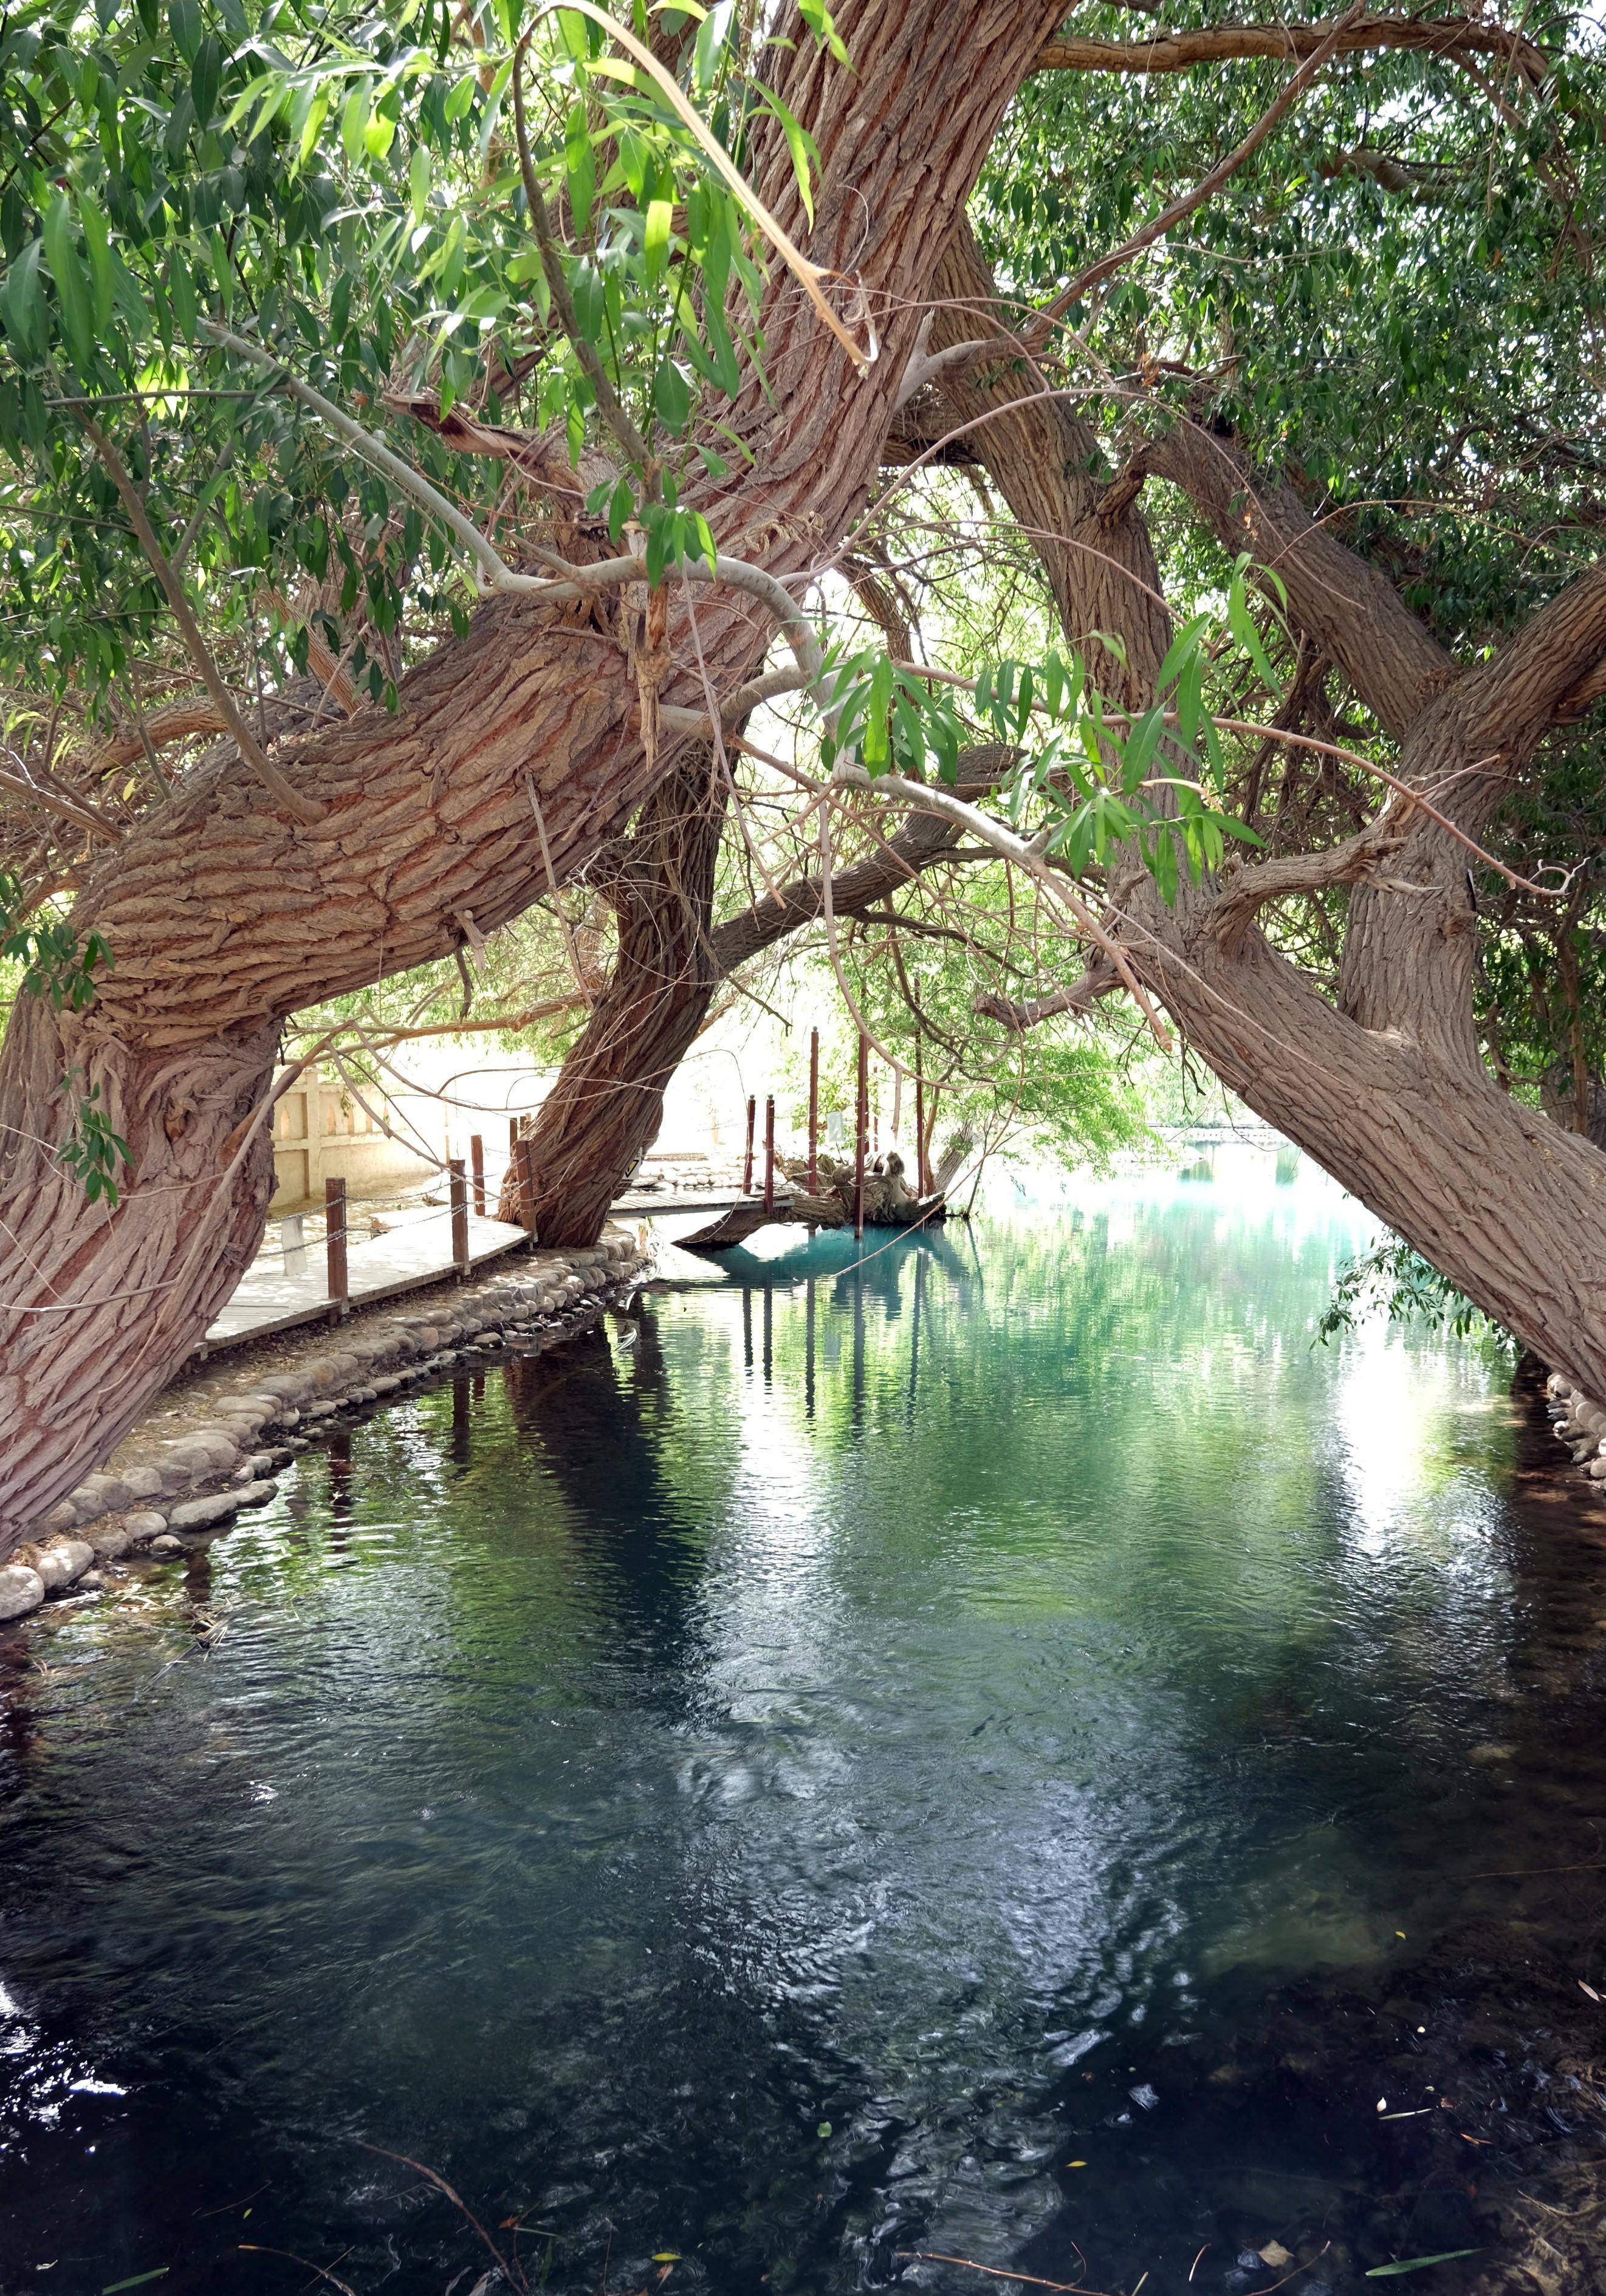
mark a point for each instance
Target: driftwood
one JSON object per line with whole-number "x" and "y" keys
{"x": 888, "y": 1203}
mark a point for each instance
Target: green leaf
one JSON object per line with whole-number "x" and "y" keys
{"x": 800, "y": 143}
{"x": 874, "y": 743}
{"x": 206, "y": 77}
{"x": 72, "y": 286}
{"x": 103, "y": 272}
{"x": 181, "y": 293}
{"x": 421, "y": 170}
{"x": 354, "y": 120}
{"x": 312, "y": 126}
{"x": 816, "y": 15}
{"x": 138, "y": 2280}
{"x": 1241, "y": 623}
{"x": 590, "y": 301}
{"x": 712, "y": 34}
{"x": 655, "y": 243}
{"x": 671, "y": 396}
{"x": 185, "y": 24}
{"x": 1416, "y": 2263}
{"x": 1183, "y": 650}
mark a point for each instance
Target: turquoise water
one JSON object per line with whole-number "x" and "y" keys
{"x": 782, "y": 1779}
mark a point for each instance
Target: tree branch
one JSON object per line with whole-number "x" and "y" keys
{"x": 283, "y": 790}
{"x": 862, "y": 884}
{"x": 1036, "y": 334}
{"x": 609, "y": 406}
{"x": 1352, "y": 862}
{"x": 1357, "y": 614}
{"x": 1229, "y": 43}
{"x": 1100, "y": 979}
{"x": 82, "y": 817}
{"x": 1549, "y": 671}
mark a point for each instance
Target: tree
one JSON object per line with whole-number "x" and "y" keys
{"x": 545, "y": 283}
{"x": 1372, "y": 1063}
{"x": 367, "y": 846}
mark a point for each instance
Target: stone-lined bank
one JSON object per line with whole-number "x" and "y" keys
{"x": 1580, "y": 1423}
{"x": 213, "y": 1446}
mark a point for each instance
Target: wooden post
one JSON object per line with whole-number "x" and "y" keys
{"x": 525, "y": 1160}
{"x": 919, "y": 1120}
{"x": 476, "y": 1167}
{"x": 814, "y": 1112}
{"x": 746, "y": 1166}
{"x": 334, "y": 1228}
{"x": 457, "y": 1188}
{"x": 769, "y": 1154}
{"x": 861, "y": 1131}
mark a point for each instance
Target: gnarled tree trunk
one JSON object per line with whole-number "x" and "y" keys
{"x": 225, "y": 913}
{"x": 605, "y": 1111}
{"x": 1387, "y": 1089}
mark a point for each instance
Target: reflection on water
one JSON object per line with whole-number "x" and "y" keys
{"x": 781, "y": 1780}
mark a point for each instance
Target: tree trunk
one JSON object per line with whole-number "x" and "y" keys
{"x": 1388, "y": 1090}
{"x": 605, "y": 1111}
{"x": 1093, "y": 543}
{"x": 224, "y": 915}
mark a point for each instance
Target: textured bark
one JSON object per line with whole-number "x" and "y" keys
{"x": 604, "y": 1112}
{"x": 1214, "y": 43}
{"x": 1094, "y": 543}
{"x": 225, "y": 915}
{"x": 1387, "y": 1090}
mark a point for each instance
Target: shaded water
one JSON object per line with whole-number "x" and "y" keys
{"x": 784, "y": 1780}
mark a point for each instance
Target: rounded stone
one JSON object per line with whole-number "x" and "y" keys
{"x": 143, "y": 1523}
{"x": 205, "y": 1452}
{"x": 144, "y": 1483}
{"x": 166, "y": 1544}
{"x": 21, "y": 1590}
{"x": 109, "y": 1492}
{"x": 62, "y": 1561}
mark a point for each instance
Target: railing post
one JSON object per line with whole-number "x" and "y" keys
{"x": 862, "y": 1127}
{"x": 814, "y": 1112}
{"x": 476, "y": 1167}
{"x": 746, "y": 1166}
{"x": 920, "y": 1121}
{"x": 334, "y": 1228}
{"x": 769, "y": 1153}
{"x": 525, "y": 1157}
{"x": 458, "y": 1188}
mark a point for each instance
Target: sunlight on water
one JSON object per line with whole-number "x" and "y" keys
{"x": 780, "y": 1780}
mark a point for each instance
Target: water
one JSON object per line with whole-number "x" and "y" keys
{"x": 783, "y": 1781}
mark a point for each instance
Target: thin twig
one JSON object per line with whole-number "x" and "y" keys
{"x": 255, "y": 2248}
{"x": 1027, "y": 2279}
{"x": 456, "y": 2200}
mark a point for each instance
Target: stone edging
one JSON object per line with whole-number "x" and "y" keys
{"x": 1579, "y": 1422}
{"x": 161, "y": 1490}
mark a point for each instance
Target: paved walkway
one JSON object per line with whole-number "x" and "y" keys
{"x": 417, "y": 1250}
{"x": 414, "y": 1251}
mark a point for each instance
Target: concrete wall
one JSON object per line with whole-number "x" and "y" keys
{"x": 321, "y": 1132}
